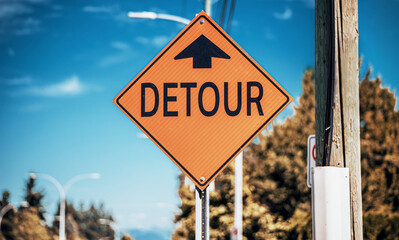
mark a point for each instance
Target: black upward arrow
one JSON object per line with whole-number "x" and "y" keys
{"x": 202, "y": 50}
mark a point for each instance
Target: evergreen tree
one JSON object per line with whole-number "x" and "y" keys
{"x": 187, "y": 215}
{"x": 93, "y": 228}
{"x": 72, "y": 221}
{"x": 4, "y": 201}
{"x": 277, "y": 162}
{"x": 126, "y": 236}
{"x": 379, "y": 147}
{"x": 380, "y": 160}
{"x": 275, "y": 195}
{"x": 91, "y": 224}
{"x": 28, "y": 225}
{"x": 276, "y": 198}
{"x": 276, "y": 170}
{"x": 34, "y": 198}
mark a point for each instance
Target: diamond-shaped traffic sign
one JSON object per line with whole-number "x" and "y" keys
{"x": 202, "y": 100}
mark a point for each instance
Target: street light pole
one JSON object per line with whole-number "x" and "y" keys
{"x": 62, "y": 190}
{"x": 208, "y": 7}
{"x": 62, "y": 200}
{"x": 153, "y": 16}
{"x": 237, "y": 229}
{"x": 4, "y": 210}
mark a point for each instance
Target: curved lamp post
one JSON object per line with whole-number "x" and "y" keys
{"x": 62, "y": 190}
{"x": 3, "y": 212}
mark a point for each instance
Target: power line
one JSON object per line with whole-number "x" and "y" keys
{"x": 232, "y": 7}
{"x": 223, "y": 13}
{"x": 218, "y": 11}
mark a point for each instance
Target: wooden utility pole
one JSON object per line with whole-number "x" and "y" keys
{"x": 337, "y": 96}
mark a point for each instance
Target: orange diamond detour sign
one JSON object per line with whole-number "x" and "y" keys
{"x": 202, "y": 100}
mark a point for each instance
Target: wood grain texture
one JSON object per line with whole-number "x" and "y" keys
{"x": 345, "y": 145}
{"x": 349, "y": 71}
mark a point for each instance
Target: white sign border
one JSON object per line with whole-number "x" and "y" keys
{"x": 309, "y": 160}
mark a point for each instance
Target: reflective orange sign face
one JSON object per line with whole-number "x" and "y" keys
{"x": 202, "y": 100}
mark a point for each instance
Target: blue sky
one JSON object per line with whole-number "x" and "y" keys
{"x": 62, "y": 63}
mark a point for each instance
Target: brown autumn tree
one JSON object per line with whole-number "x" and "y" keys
{"x": 92, "y": 223}
{"x": 28, "y": 225}
{"x": 380, "y": 159}
{"x": 126, "y": 236}
{"x": 34, "y": 197}
{"x": 275, "y": 195}
{"x": 276, "y": 170}
{"x": 276, "y": 198}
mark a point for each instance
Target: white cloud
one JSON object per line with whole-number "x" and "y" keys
{"x": 11, "y": 52}
{"x": 16, "y": 17}
{"x": 28, "y": 26}
{"x": 113, "y": 59}
{"x": 36, "y": 1}
{"x": 57, "y": 7}
{"x": 12, "y": 9}
{"x": 308, "y": 3}
{"x": 268, "y": 33}
{"x": 160, "y": 41}
{"x": 99, "y": 9}
{"x": 166, "y": 205}
{"x": 35, "y": 107}
{"x": 287, "y": 14}
{"x": 120, "y": 45}
{"x": 146, "y": 221}
{"x": 157, "y": 41}
{"x": 142, "y": 40}
{"x": 109, "y": 11}
{"x": 141, "y": 135}
{"x": 54, "y": 15}
{"x": 270, "y": 36}
{"x": 123, "y": 54}
{"x": 136, "y": 220}
{"x": 69, "y": 87}
{"x": 17, "y": 81}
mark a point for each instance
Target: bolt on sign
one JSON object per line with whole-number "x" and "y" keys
{"x": 202, "y": 100}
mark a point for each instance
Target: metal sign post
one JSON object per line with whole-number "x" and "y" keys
{"x": 202, "y": 214}
{"x": 238, "y": 197}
